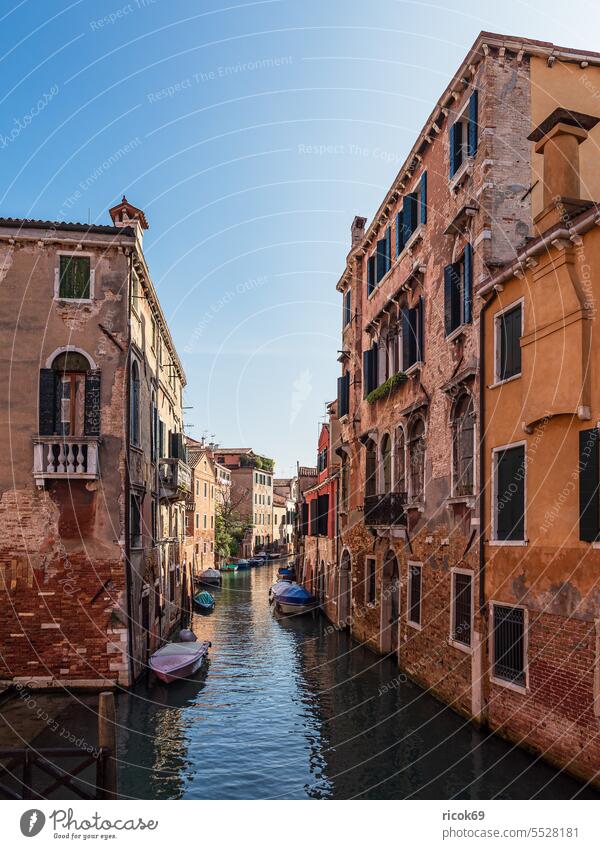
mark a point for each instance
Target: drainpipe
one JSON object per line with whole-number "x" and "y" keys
{"x": 130, "y": 635}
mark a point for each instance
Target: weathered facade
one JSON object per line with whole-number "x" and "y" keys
{"x": 91, "y": 511}
{"x": 408, "y": 395}
{"x": 540, "y": 467}
{"x": 284, "y": 525}
{"x": 251, "y": 494}
{"x": 201, "y": 505}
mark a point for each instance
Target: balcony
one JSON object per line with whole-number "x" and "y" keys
{"x": 175, "y": 479}
{"x": 385, "y": 510}
{"x": 65, "y": 458}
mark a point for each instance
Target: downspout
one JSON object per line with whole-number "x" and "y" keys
{"x": 129, "y": 589}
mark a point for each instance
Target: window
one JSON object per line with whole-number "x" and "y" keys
{"x": 205, "y": 489}
{"x": 370, "y": 274}
{"x": 463, "y": 446}
{"x": 458, "y": 292}
{"x": 370, "y": 372}
{"x": 197, "y": 520}
{"x": 135, "y": 404}
{"x": 370, "y": 469}
{"x": 344, "y": 487}
{"x": 347, "y": 307}
{"x": 589, "y": 485}
{"x": 386, "y": 463}
{"x": 416, "y": 449}
{"x": 197, "y": 487}
{"x": 74, "y": 277}
{"x": 69, "y": 402}
{"x": 344, "y": 395}
{"x": 154, "y": 332}
{"x": 508, "y": 330}
{"x": 413, "y": 213}
{"x": 384, "y": 255}
{"x": 205, "y": 520}
{"x": 370, "y": 580}
{"x": 463, "y": 135}
{"x": 508, "y": 630}
{"x": 414, "y": 593}
{"x": 509, "y": 493}
{"x": 462, "y": 607}
{"x": 135, "y": 521}
{"x": 323, "y": 515}
{"x": 413, "y": 322}
{"x": 400, "y": 464}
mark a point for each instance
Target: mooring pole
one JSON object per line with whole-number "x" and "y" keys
{"x": 107, "y": 738}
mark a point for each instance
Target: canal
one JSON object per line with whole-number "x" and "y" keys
{"x": 292, "y": 709}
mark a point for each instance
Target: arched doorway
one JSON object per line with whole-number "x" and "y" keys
{"x": 390, "y": 604}
{"x": 344, "y": 591}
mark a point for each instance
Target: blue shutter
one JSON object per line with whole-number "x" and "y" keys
{"x": 420, "y": 330}
{"x": 409, "y": 215}
{"x": 448, "y": 299}
{"x": 370, "y": 274}
{"x": 388, "y": 248}
{"x": 473, "y": 120}
{"x": 406, "y": 337}
{"x": 381, "y": 258}
{"x": 399, "y": 232}
{"x": 47, "y": 408}
{"x": 423, "y": 210}
{"x": 374, "y": 366}
{"x": 455, "y": 147}
{"x": 452, "y": 150}
{"x": 467, "y": 284}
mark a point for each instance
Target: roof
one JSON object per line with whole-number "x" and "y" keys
{"x": 278, "y": 500}
{"x": 233, "y": 451}
{"x": 282, "y": 481}
{"x": 38, "y": 224}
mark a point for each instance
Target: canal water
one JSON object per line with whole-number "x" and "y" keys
{"x": 292, "y": 709}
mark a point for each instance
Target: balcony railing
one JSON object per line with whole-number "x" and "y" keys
{"x": 175, "y": 479}
{"x": 385, "y": 510}
{"x": 65, "y": 458}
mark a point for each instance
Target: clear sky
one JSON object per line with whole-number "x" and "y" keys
{"x": 251, "y": 133}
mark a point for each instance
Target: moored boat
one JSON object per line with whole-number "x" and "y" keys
{"x": 204, "y": 601}
{"x": 211, "y": 577}
{"x": 294, "y": 599}
{"x": 243, "y": 564}
{"x": 277, "y": 588}
{"x": 178, "y": 660}
{"x": 229, "y": 567}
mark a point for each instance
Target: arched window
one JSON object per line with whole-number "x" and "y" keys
{"x": 135, "y": 404}
{"x": 386, "y": 463}
{"x": 400, "y": 462}
{"x": 71, "y": 369}
{"x": 416, "y": 448}
{"x": 370, "y": 469}
{"x": 463, "y": 446}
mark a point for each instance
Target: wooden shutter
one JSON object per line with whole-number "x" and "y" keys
{"x": 452, "y": 150}
{"x": 399, "y": 234}
{"x": 510, "y": 343}
{"x": 510, "y": 494}
{"x": 473, "y": 109}
{"x": 381, "y": 258}
{"x": 47, "y": 407}
{"x": 313, "y": 528}
{"x": 388, "y": 249}
{"x": 467, "y": 300}
{"x": 343, "y": 393}
{"x": 370, "y": 274}
{"x": 420, "y": 330}
{"x": 423, "y": 202}
{"x": 366, "y": 369}
{"x": 455, "y": 147}
{"x": 410, "y": 215}
{"x": 323, "y": 514}
{"x": 304, "y": 527}
{"x": 589, "y": 481}
{"x": 92, "y": 403}
{"x": 449, "y": 298}
{"x": 406, "y": 339}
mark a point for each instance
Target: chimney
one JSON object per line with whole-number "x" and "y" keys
{"x": 358, "y": 229}
{"x": 125, "y": 214}
{"x": 558, "y": 138}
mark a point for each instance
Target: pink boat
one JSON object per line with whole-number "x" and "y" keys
{"x": 178, "y": 660}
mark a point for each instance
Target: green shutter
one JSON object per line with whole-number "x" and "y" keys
{"x": 510, "y": 494}
{"x": 589, "y": 480}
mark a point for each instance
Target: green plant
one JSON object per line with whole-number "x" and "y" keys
{"x": 386, "y": 388}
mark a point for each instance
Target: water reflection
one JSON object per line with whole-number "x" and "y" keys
{"x": 290, "y": 708}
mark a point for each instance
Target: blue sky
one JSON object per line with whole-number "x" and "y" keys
{"x": 251, "y": 134}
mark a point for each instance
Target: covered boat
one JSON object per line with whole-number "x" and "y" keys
{"x": 277, "y": 588}
{"x": 210, "y": 576}
{"x": 294, "y": 599}
{"x": 243, "y": 564}
{"x": 204, "y": 601}
{"x": 178, "y": 660}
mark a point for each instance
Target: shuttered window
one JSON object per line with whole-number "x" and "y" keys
{"x": 74, "y": 279}
{"x": 314, "y": 530}
{"x": 412, "y": 335}
{"x": 509, "y": 643}
{"x": 323, "y": 515}
{"x": 464, "y": 134}
{"x": 462, "y": 607}
{"x": 458, "y": 291}
{"x": 347, "y": 307}
{"x": 414, "y": 593}
{"x": 508, "y": 343}
{"x": 344, "y": 394}
{"x": 371, "y": 274}
{"x": 370, "y": 361}
{"x": 589, "y": 485}
{"x": 509, "y": 493}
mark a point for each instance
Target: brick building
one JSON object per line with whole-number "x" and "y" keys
{"x": 287, "y": 489}
{"x": 201, "y": 505}
{"x": 318, "y": 568}
{"x": 408, "y": 394}
{"x": 251, "y": 494}
{"x": 540, "y": 506}
{"x": 91, "y": 502}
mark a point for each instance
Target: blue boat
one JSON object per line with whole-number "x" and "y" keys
{"x": 293, "y": 598}
{"x": 286, "y": 573}
{"x": 204, "y": 601}
{"x": 243, "y": 564}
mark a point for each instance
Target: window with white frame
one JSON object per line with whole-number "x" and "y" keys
{"x": 509, "y": 478}
{"x": 416, "y": 453}
{"x": 74, "y": 277}
{"x": 508, "y": 329}
{"x": 463, "y": 446}
{"x": 509, "y": 644}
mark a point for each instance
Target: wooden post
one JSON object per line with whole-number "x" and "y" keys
{"x": 107, "y": 737}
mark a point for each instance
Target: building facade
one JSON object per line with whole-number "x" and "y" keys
{"x": 251, "y": 494}
{"x": 91, "y": 504}
{"x": 286, "y": 489}
{"x": 408, "y": 394}
{"x": 201, "y": 506}
{"x": 540, "y": 506}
